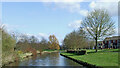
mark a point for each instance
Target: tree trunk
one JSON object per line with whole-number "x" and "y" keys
{"x": 96, "y": 43}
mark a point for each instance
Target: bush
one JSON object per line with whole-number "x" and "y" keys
{"x": 82, "y": 52}
{"x": 8, "y": 43}
{"x": 70, "y": 51}
{"x": 79, "y": 52}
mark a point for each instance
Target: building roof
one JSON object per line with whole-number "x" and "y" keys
{"x": 100, "y": 41}
{"x": 112, "y": 38}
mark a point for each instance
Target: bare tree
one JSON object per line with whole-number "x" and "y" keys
{"x": 97, "y": 24}
{"x": 75, "y": 40}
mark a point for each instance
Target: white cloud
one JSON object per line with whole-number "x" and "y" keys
{"x": 38, "y": 36}
{"x": 92, "y": 4}
{"x": 43, "y": 35}
{"x": 58, "y": 0}
{"x": 76, "y": 24}
{"x": 111, "y": 7}
{"x": 84, "y": 12}
{"x": 46, "y": 36}
{"x": 73, "y": 7}
{"x": 10, "y": 27}
{"x": 29, "y": 34}
{"x": 107, "y": 0}
{"x": 41, "y": 0}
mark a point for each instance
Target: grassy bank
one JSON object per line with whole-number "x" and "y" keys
{"x": 106, "y": 57}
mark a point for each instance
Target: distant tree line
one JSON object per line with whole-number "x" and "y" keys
{"x": 26, "y": 43}
{"x": 14, "y": 42}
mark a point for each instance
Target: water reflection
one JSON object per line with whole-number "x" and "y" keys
{"x": 46, "y": 59}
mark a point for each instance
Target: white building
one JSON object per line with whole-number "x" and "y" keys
{"x": 112, "y": 42}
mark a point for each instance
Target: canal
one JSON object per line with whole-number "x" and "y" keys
{"x": 46, "y": 59}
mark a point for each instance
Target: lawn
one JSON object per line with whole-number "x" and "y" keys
{"x": 106, "y": 57}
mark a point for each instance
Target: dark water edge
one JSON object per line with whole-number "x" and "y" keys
{"x": 43, "y": 67}
{"x": 47, "y": 59}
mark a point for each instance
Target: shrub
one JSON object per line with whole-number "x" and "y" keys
{"x": 8, "y": 43}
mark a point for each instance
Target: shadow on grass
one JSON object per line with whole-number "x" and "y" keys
{"x": 90, "y": 52}
{"x": 73, "y": 54}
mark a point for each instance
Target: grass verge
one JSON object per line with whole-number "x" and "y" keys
{"x": 105, "y": 57}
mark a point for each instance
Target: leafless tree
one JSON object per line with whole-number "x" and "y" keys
{"x": 97, "y": 24}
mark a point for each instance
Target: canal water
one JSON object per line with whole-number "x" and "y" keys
{"x": 46, "y": 59}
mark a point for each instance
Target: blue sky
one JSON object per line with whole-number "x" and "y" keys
{"x": 44, "y": 19}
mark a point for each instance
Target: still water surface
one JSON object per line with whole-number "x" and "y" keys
{"x": 47, "y": 59}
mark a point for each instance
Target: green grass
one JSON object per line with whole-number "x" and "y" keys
{"x": 104, "y": 57}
